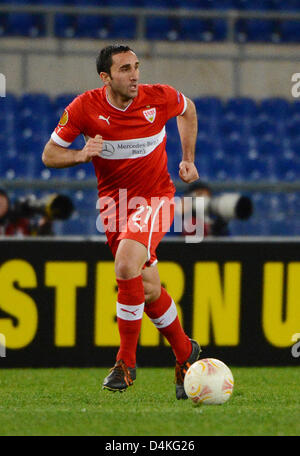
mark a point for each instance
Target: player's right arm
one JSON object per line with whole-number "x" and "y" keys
{"x": 55, "y": 156}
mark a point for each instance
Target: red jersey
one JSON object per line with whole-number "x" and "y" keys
{"x": 134, "y": 139}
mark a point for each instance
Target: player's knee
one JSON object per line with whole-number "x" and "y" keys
{"x": 126, "y": 269}
{"x": 152, "y": 292}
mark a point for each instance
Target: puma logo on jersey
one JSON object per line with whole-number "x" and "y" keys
{"x": 104, "y": 118}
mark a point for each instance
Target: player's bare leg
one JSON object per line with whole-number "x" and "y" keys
{"x": 130, "y": 258}
{"x": 161, "y": 309}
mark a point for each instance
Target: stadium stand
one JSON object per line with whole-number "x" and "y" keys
{"x": 239, "y": 139}
{"x": 157, "y": 28}
{"x": 268, "y": 152}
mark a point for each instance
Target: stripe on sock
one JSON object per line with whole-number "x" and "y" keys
{"x": 167, "y": 318}
{"x": 131, "y": 313}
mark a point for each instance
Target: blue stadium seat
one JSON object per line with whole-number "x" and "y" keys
{"x": 295, "y": 108}
{"x": 19, "y": 2}
{"x": 219, "y": 29}
{"x": 287, "y": 169}
{"x": 223, "y": 4}
{"x": 235, "y": 147}
{"x": 65, "y": 25}
{"x": 196, "y": 4}
{"x": 195, "y": 29}
{"x": 25, "y": 24}
{"x": 19, "y": 166}
{"x": 56, "y": 2}
{"x": 161, "y": 28}
{"x": 240, "y": 107}
{"x": 293, "y": 127}
{"x": 229, "y": 126}
{"x": 122, "y": 3}
{"x": 3, "y": 24}
{"x": 260, "y": 5}
{"x": 223, "y": 169}
{"x": 265, "y": 127}
{"x": 76, "y": 225}
{"x": 156, "y": 4}
{"x": 82, "y": 172}
{"x": 208, "y": 107}
{"x": 122, "y": 27}
{"x": 90, "y": 3}
{"x": 269, "y": 147}
{"x": 9, "y": 103}
{"x": 278, "y": 108}
{"x": 255, "y": 30}
{"x": 287, "y": 5}
{"x": 289, "y": 31}
{"x": 255, "y": 170}
{"x": 61, "y": 102}
{"x": 92, "y": 27}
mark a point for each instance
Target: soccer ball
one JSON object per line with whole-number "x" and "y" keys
{"x": 208, "y": 381}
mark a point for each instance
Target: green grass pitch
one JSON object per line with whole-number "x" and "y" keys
{"x": 266, "y": 401}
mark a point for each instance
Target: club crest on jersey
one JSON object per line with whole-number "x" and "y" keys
{"x": 64, "y": 118}
{"x": 150, "y": 114}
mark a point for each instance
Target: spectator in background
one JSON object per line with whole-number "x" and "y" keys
{"x": 214, "y": 225}
{"x": 17, "y": 220}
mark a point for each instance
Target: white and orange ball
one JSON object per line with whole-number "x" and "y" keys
{"x": 208, "y": 381}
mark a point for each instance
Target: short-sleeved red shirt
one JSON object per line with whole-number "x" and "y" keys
{"x": 134, "y": 155}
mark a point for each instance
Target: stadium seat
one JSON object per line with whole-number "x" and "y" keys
{"x": 277, "y": 108}
{"x": 92, "y": 27}
{"x": 122, "y": 3}
{"x": 255, "y": 170}
{"x": 223, "y": 4}
{"x": 195, "y": 29}
{"x": 287, "y": 5}
{"x": 56, "y": 2}
{"x": 90, "y": 3}
{"x": 156, "y": 4}
{"x": 19, "y": 2}
{"x": 255, "y": 30}
{"x": 122, "y": 27}
{"x": 289, "y": 31}
{"x": 265, "y": 127}
{"x": 254, "y": 5}
{"x": 65, "y": 25}
{"x": 208, "y": 107}
{"x": 287, "y": 169}
{"x": 223, "y": 168}
{"x": 162, "y": 28}
{"x": 197, "y": 4}
{"x": 241, "y": 107}
{"x": 25, "y": 24}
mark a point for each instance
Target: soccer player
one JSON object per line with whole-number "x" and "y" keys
{"x": 124, "y": 127}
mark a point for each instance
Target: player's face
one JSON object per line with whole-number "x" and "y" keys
{"x": 125, "y": 75}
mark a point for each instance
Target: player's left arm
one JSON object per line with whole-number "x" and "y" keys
{"x": 187, "y": 125}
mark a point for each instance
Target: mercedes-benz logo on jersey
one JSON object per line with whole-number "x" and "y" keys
{"x": 107, "y": 150}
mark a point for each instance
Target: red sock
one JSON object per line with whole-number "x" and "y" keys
{"x": 130, "y": 308}
{"x": 163, "y": 314}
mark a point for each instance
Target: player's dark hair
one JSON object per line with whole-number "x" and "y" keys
{"x": 104, "y": 59}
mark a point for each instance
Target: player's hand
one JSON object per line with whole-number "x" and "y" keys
{"x": 92, "y": 149}
{"x": 188, "y": 172}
